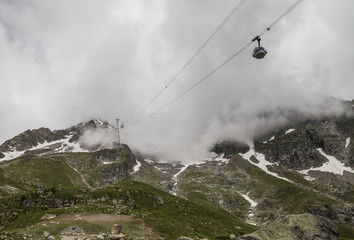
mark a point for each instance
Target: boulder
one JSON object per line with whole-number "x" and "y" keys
{"x": 116, "y": 237}
{"x": 116, "y": 229}
{"x": 73, "y": 230}
{"x": 184, "y": 238}
{"x": 48, "y": 216}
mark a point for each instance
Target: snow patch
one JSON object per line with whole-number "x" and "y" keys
{"x": 272, "y": 138}
{"x": 149, "y": 161}
{"x": 347, "y": 141}
{"x": 66, "y": 146}
{"x": 11, "y": 155}
{"x": 333, "y": 165}
{"x": 221, "y": 159}
{"x": 253, "y": 203}
{"x": 175, "y": 177}
{"x": 289, "y": 131}
{"x": 182, "y": 170}
{"x": 136, "y": 167}
{"x": 262, "y": 164}
{"x": 308, "y": 178}
{"x": 107, "y": 162}
{"x": 98, "y": 121}
{"x": 152, "y": 163}
{"x": 249, "y": 219}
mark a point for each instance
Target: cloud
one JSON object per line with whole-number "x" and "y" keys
{"x": 63, "y": 62}
{"x": 97, "y": 138}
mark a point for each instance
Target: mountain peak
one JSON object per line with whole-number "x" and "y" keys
{"x": 47, "y": 141}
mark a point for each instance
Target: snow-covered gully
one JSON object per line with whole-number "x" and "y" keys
{"x": 250, "y": 215}
{"x": 262, "y": 162}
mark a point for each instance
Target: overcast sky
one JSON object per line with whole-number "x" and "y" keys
{"x": 63, "y": 62}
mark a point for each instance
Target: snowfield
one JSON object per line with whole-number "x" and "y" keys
{"x": 65, "y": 146}
{"x": 333, "y": 165}
{"x": 262, "y": 164}
{"x": 289, "y": 131}
{"x": 347, "y": 141}
{"x": 136, "y": 167}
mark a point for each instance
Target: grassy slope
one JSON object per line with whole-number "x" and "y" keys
{"x": 272, "y": 193}
{"x": 291, "y": 197}
{"x": 29, "y": 171}
{"x": 208, "y": 188}
{"x": 57, "y": 170}
{"x": 167, "y": 215}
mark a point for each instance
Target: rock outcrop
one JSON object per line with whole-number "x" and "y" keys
{"x": 72, "y": 230}
{"x": 229, "y": 148}
{"x": 297, "y": 149}
{"x": 295, "y": 227}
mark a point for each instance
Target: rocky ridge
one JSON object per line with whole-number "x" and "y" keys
{"x": 302, "y": 169}
{"x": 45, "y": 141}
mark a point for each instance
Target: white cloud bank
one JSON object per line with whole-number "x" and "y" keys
{"x": 64, "y": 61}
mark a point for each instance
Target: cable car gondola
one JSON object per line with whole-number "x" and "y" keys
{"x": 259, "y": 52}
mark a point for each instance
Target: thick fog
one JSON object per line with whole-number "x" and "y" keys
{"x": 64, "y": 62}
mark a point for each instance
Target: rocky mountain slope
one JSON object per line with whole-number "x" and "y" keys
{"x": 45, "y": 141}
{"x": 305, "y": 167}
{"x": 302, "y": 171}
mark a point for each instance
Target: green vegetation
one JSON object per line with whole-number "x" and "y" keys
{"x": 168, "y": 216}
{"x": 346, "y": 232}
{"x": 71, "y": 184}
{"x": 177, "y": 217}
{"x": 285, "y": 194}
{"x": 29, "y": 171}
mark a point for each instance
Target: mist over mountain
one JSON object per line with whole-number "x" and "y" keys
{"x": 66, "y": 62}
{"x": 215, "y": 143}
{"x": 191, "y": 139}
{"x": 292, "y": 178}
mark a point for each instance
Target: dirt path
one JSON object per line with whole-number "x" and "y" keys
{"x": 93, "y": 218}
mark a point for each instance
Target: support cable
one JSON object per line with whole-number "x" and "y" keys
{"x": 231, "y": 14}
{"x": 222, "y": 64}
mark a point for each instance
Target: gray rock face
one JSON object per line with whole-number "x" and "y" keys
{"x": 297, "y": 150}
{"x": 29, "y": 139}
{"x": 326, "y": 135}
{"x": 295, "y": 227}
{"x": 123, "y": 162}
{"x": 230, "y": 148}
{"x": 32, "y": 138}
{"x": 292, "y": 151}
